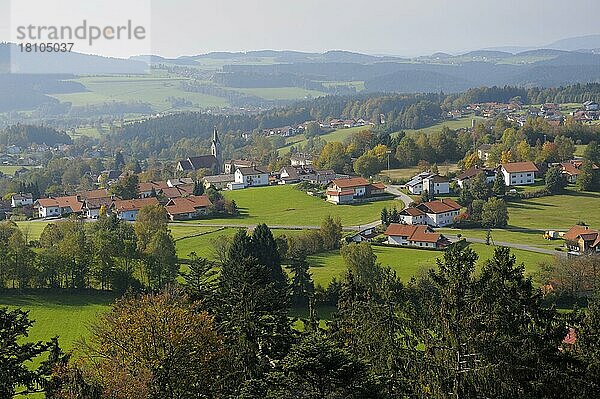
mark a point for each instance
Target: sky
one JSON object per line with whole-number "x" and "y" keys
{"x": 392, "y": 27}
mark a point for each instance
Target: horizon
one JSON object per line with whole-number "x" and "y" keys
{"x": 186, "y": 28}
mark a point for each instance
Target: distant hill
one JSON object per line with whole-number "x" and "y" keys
{"x": 60, "y": 63}
{"x": 576, "y": 43}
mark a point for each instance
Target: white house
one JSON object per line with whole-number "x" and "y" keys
{"x": 251, "y": 177}
{"x": 436, "y": 184}
{"x": 519, "y": 173}
{"x": 128, "y": 209}
{"x": 438, "y": 213}
{"x": 415, "y": 236}
{"x": 347, "y": 191}
{"x": 59, "y": 206}
{"x": 188, "y": 208}
{"x": 92, "y": 206}
{"x": 464, "y": 178}
{"x": 218, "y": 181}
{"x": 300, "y": 159}
{"x": 430, "y": 182}
{"x": 21, "y": 199}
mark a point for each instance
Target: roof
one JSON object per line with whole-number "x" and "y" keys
{"x": 71, "y": 201}
{"x": 202, "y": 161}
{"x": 412, "y": 211}
{"x": 134, "y": 204}
{"x": 351, "y": 182}
{"x": 97, "y": 203}
{"x": 584, "y": 233}
{"x": 474, "y": 171}
{"x": 22, "y": 196}
{"x": 90, "y": 194}
{"x": 219, "y": 178}
{"x": 569, "y": 168}
{"x": 179, "y": 191}
{"x": 253, "y": 170}
{"x": 484, "y": 147}
{"x": 378, "y": 186}
{"x": 180, "y": 181}
{"x": 199, "y": 162}
{"x": 438, "y": 179}
{"x": 417, "y": 233}
{"x": 148, "y": 186}
{"x": 178, "y": 206}
{"x": 520, "y": 167}
{"x": 440, "y": 206}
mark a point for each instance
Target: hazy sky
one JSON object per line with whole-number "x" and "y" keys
{"x": 395, "y": 27}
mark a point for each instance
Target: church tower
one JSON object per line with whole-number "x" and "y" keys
{"x": 215, "y": 150}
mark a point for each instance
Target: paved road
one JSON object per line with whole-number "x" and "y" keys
{"x": 395, "y": 190}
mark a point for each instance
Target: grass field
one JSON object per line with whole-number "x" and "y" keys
{"x": 285, "y": 205}
{"x": 65, "y": 313}
{"x": 452, "y": 124}
{"x": 556, "y": 212}
{"x": 9, "y": 169}
{"x": 337, "y": 135}
{"x": 408, "y": 262}
{"x": 154, "y": 90}
{"x": 281, "y": 93}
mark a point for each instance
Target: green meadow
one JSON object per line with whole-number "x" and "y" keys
{"x": 410, "y": 262}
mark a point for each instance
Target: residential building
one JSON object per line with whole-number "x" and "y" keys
{"x": 151, "y": 188}
{"x": 582, "y": 239}
{"x": 483, "y": 152}
{"x": 177, "y": 192}
{"x": 21, "y": 199}
{"x": 94, "y": 194}
{"x": 58, "y": 206}
{"x": 180, "y": 182}
{"x": 519, "y": 173}
{"x": 438, "y": 213}
{"x": 464, "y": 178}
{"x": 353, "y": 189}
{"x": 128, "y": 209}
{"x": 92, "y": 206}
{"x": 251, "y": 177}
{"x": 109, "y": 176}
{"x": 218, "y": 181}
{"x": 364, "y": 235}
{"x": 415, "y": 236}
{"x": 430, "y": 182}
{"x": 301, "y": 159}
{"x": 570, "y": 171}
{"x": 232, "y": 165}
{"x": 187, "y": 208}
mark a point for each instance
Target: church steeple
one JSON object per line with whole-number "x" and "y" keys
{"x": 215, "y": 150}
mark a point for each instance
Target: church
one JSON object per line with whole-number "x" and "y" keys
{"x": 214, "y": 161}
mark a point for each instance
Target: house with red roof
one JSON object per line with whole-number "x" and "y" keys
{"x": 438, "y": 213}
{"x": 519, "y": 173}
{"x": 415, "y": 236}
{"x": 128, "y": 209}
{"x": 188, "y": 208}
{"x": 582, "y": 239}
{"x": 352, "y": 189}
{"x": 58, "y": 206}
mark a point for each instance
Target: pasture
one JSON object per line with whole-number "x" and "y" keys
{"x": 409, "y": 262}
{"x": 151, "y": 89}
{"x": 281, "y": 93}
{"x": 9, "y": 169}
{"x": 338, "y": 135}
{"x": 63, "y": 313}
{"x": 288, "y": 206}
{"x": 558, "y": 212}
